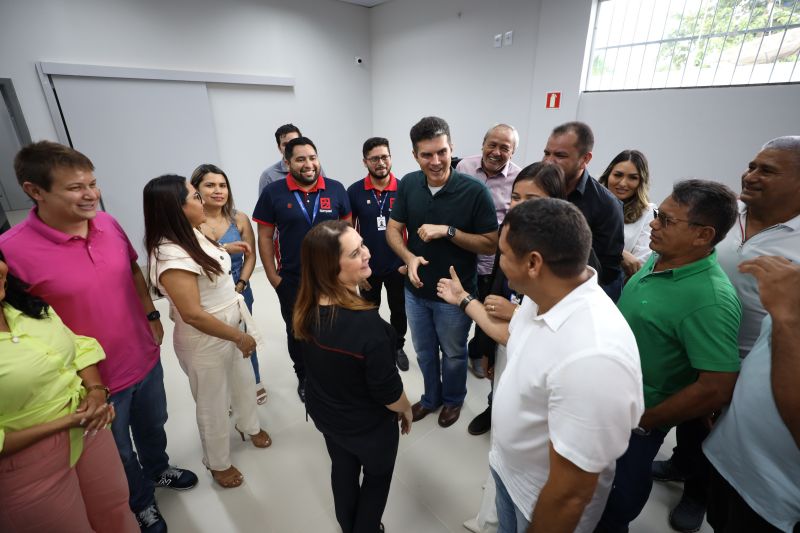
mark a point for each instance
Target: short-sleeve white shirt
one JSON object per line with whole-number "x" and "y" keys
{"x": 572, "y": 378}
{"x": 637, "y": 235}
{"x": 215, "y": 291}
{"x": 781, "y": 240}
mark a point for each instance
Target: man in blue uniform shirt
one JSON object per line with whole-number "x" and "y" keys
{"x": 293, "y": 206}
{"x": 372, "y": 200}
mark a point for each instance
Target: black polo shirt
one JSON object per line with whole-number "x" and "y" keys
{"x": 279, "y": 206}
{"x": 368, "y": 204}
{"x": 464, "y": 203}
{"x": 603, "y": 212}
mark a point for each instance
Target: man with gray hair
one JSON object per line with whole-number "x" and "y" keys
{"x": 492, "y": 167}
{"x": 768, "y": 223}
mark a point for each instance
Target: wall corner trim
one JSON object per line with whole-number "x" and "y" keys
{"x": 104, "y": 71}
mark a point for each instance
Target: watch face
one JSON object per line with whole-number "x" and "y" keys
{"x": 451, "y": 232}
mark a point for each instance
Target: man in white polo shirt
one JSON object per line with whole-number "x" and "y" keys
{"x": 571, "y": 393}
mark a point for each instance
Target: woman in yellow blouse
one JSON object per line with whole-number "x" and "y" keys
{"x": 59, "y": 466}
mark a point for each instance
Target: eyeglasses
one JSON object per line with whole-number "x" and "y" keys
{"x": 667, "y": 221}
{"x": 378, "y": 158}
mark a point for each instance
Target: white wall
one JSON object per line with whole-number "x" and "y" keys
{"x": 315, "y": 41}
{"x": 691, "y": 133}
{"x": 421, "y": 57}
{"x": 429, "y": 60}
{"x": 437, "y": 58}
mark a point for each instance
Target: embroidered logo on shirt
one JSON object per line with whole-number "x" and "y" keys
{"x": 324, "y": 203}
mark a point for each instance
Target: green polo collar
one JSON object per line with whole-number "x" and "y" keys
{"x": 686, "y": 270}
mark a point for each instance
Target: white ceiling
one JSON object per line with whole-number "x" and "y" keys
{"x": 365, "y": 3}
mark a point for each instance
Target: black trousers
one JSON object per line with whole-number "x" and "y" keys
{"x": 484, "y": 286}
{"x": 287, "y": 295}
{"x": 359, "y": 508}
{"x": 729, "y": 513}
{"x": 688, "y": 457}
{"x": 395, "y": 296}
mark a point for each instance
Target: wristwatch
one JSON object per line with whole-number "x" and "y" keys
{"x": 465, "y": 302}
{"x": 639, "y": 430}
{"x": 155, "y": 315}
{"x": 243, "y": 282}
{"x": 451, "y": 232}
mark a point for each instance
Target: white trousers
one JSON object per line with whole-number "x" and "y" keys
{"x": 218, "y": 373}
{"x": 487, "y": 515}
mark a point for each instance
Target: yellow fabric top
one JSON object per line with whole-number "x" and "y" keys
{"x": 39, "y": 367}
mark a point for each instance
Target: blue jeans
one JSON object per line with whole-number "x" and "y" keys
{"x": 435, "y": 326}
{"x": 248, "y": 301}
{"x": 632, "y": 483}
{"x": 142, "y": 412}
{"x": 509, "y": 518}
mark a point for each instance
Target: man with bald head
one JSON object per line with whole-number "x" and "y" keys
{"x": 492, "y": 167}
{"x": 768, "y": 224}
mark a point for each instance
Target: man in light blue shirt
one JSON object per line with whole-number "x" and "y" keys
{"x": 755, "y": 446}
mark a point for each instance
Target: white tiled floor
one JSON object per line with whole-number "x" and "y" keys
{"x": 437, "y": 481}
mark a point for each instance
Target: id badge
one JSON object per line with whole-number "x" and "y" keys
{"x": 381, "y": 223}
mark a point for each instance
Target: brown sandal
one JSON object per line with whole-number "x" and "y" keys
{"x": 261, "y": 396}
{"x": 259, "y": 440}
{"x": 227, "y": 479}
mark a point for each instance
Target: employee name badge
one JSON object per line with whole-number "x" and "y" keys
{"x": 381, "y": 223}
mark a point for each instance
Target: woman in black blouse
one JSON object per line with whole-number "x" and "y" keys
{"x": 353, "y": 391}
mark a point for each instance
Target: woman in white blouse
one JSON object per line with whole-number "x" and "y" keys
{"x": 214, "y": 332}
{"x": 628, "y": 178}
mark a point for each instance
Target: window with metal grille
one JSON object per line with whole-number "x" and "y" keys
{"x": 652, "y": 44}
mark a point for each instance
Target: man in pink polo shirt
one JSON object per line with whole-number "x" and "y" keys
{"x": 80, "y": 261}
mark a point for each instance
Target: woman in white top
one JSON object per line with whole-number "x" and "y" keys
{"x": 214, "y": 332}
{"x": 628, "y": 178}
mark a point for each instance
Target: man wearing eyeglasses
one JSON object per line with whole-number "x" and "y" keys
{"x": 372, "y": 200}
{"x": 685, "y": 316}
{"x": 768, "y": 223}
{"x": 492, "y": 167}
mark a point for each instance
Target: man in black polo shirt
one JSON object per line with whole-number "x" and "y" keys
{"x": 450, "y": 218}
{"x": 372, "y": 200}
{"x": 570, "y": 147}
{"x": 294, "y": 205}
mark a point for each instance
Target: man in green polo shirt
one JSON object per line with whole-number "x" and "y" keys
{"x": 450, "y": 218}
{"x": 685, "y": 316}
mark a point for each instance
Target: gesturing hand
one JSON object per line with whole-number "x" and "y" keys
{"x": 778, "y": 280}
{"x": 413, "y": 266}
{"x": 451, "y": 290}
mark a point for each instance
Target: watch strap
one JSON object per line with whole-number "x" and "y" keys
{"x": 90, "y": 388}
{"x": 465, "y": 302}
{"x": 154, "y": 315}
